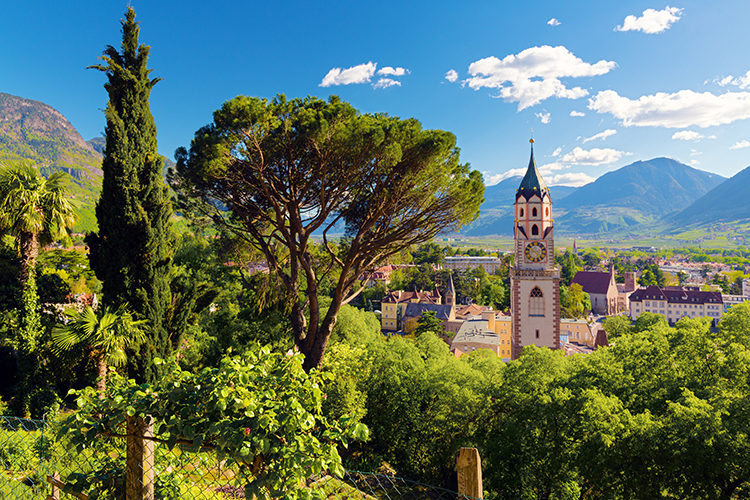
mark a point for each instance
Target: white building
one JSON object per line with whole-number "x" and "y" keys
{"x": 675, "y": 303}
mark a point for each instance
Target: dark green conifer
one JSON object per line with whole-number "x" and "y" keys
{"x": 131, "y": 252}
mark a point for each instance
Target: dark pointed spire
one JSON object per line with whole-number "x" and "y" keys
{"x": 532, "y": 182}
{"x": 450, "y": 292}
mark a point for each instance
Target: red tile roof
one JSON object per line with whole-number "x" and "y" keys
{"x": 401, "y": 297}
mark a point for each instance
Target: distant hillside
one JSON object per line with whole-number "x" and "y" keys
{"x": 33, "y": 131}
{"x": 642, "y": 192}
{"x": 36, "y": 132}
{"x": 729, "y": 201}
{"x": 496, "y": 215}
{"x": 97, "y": 144}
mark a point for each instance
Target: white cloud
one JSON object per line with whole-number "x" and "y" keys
{"x": 545, "y": 117}
{"x": 742, "y": 82}
{"x": 711, "y": 137}
{"x": 356, "y": 74}
{"x": 652, "y": 21}
{"x": 695, "y": 162}
{"x": 534, "y": 74}
{"x": 740, "y": 145}
{"x": 695, "y": 152}
{"x": 384, "y": 83}
{"x": 687, "y": 135}
{"x": 553, "y": 22}
{"x": 575, "y": 179}
{"x": 557, "y": 152}
{"x": 451, "y": 75}
{"x": 387, "y": 70}
{"x": 594, "y": 156}
{"x": 548, "y": 168}
{"x": 577, "y": 113}
{"x": 600, "y": 135}
{"x": 679, "y": 110}
{"x": 723, "y": 82}
{"x": 494, "y": 179}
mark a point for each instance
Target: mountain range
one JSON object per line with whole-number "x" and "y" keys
{"x": 659, "y": 190}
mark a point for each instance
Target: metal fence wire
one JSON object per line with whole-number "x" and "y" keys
{"x": 40, "y": 463}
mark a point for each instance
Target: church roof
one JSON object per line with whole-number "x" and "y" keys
{"x": 593, "y": 282}
{"x": 414, "y": 310}
{"x": 532, "y": 183}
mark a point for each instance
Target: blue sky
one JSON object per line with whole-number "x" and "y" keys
{"x": 602, "y": 84}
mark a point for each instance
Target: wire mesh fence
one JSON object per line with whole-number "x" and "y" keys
{"x": 40, "y": 462}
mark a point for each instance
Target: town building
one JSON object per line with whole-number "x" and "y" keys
{"x": 413, "y": 311}
{"x": 625, "y": 290}
{"x": 733, "y": 300}
{"x": 491, "y": 330}
{"x": 577, "y": 331}
{"x": 382, "y": 275}
{"x": 534, "y": 279}
{"x": 675, "y": 303}
{"x": 394, "y": 305}
{"x": 465, "y": 263}
{"x": 602, "y": 289}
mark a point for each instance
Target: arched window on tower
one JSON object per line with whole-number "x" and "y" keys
{"x": 546, "y": 211}
{"x": 536, "y": 302}
{"x": 522, "y": 212}
{"x": 535, "y": 230}
{"x": 533, "y": 212}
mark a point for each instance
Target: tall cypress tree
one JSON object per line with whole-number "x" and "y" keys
{"x": 131, "y": 252}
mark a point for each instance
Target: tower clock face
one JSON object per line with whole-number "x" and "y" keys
{"x": 535, "y": 252}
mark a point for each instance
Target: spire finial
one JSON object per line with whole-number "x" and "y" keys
{"x": 532, "y": 136}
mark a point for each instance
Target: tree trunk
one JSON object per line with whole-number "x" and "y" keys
{"x": 101, "y": 370}
{"x": 29, "y": 244}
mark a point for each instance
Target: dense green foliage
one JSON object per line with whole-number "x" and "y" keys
{"x": 276, "y": 172}
{"x": 574, "y": 302}
{"x": 569, "y": 265}
{"x": 658, "y": 415}
{"x": 131, "y": 252}
{"x": 261, "y": 411}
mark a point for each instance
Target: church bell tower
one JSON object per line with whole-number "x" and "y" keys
{"x": 535, "y": 281}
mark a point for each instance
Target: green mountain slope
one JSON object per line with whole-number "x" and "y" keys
{"x": 35, "y": 132}
{"x": 729, "y": 201}
{"x": 642, "y": 192}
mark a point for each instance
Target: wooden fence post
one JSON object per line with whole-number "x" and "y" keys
{"x": 470, "y": 473}
{"x": 139, "y": 467}
{"x": 55, "y": 493}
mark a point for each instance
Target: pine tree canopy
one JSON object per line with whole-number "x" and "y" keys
{"x": 277, "y": 173}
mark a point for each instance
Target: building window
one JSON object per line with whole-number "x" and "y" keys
{"x": 534, "y": 230}
{"x": 536, "y": 302}
{"x": 537, "y": 334}
{"x": 546, "y": 211}
{"x": 533, "y": 212}
{"x": 522, "y": 212}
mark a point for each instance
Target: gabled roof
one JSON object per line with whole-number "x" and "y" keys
{"x": 470, "y": 310}
{"x": 532, "y": 183}
{"x": 414, "y": 310}
{"x": 651, "y": 292}
{"x": 676, "y": 295}
{"x": 401, "y": 297}
{"x": 593, "y": 282}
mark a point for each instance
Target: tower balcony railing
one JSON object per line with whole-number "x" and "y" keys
{"x": 534, "y": 273}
